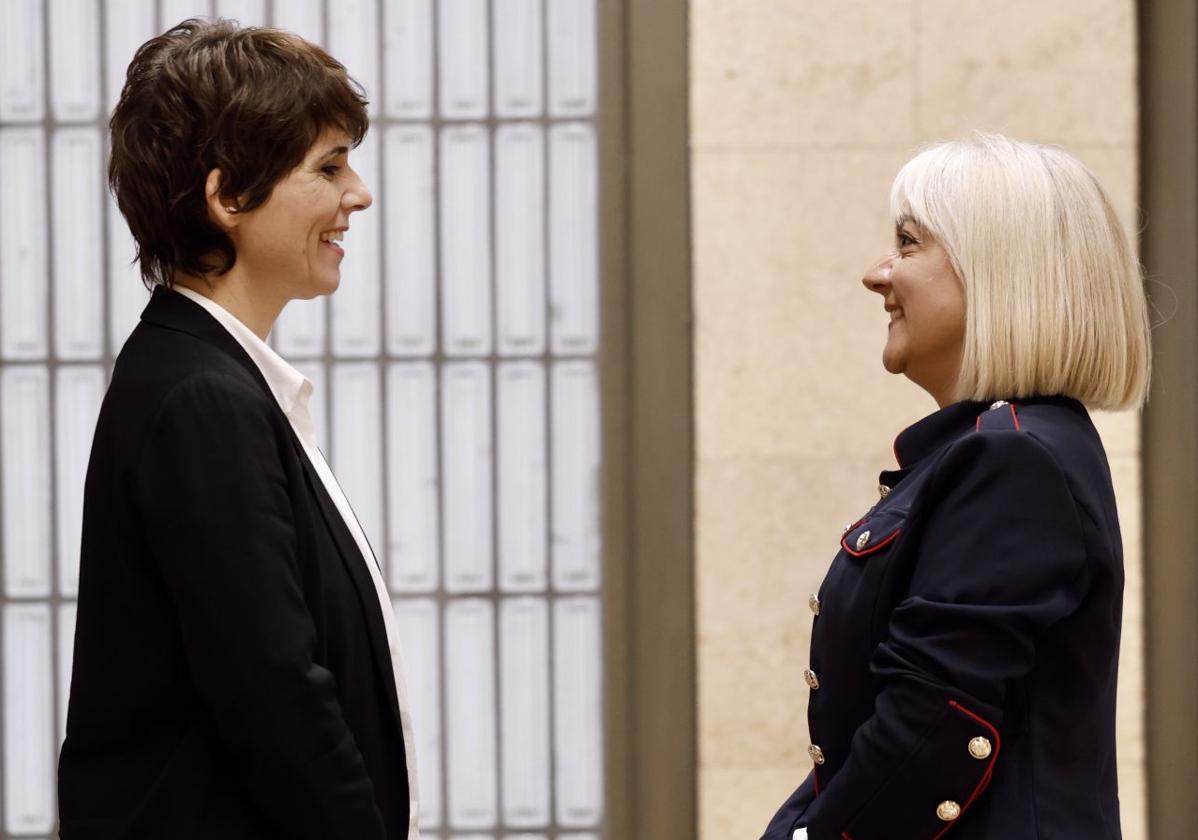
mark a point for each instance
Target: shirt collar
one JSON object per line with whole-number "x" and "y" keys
{"x": 291, "y": 389}
{"x": 921, "y": 439}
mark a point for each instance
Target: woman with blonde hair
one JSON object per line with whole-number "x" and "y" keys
{"x": 965, "y": 639}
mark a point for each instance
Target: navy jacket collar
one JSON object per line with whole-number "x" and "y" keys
{"x": 938, "y": 429}
{"x": 942, "y": 427}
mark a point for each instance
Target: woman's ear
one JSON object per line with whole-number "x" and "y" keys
{"x": 222, "y": 209}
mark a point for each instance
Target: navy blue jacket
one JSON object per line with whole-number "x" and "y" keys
{"x": 966, "y": 638}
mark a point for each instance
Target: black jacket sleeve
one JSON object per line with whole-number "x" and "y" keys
{"x": 1001, "y": 558}
{"x": 213, "y": 496}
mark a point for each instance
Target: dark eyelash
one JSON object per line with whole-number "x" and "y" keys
{"x": 905, "y": 239}
{"x": 335, "y": 169}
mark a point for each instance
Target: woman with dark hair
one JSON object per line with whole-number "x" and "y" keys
{"x": 236, "y": 671}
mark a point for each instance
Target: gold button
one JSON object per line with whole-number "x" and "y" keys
{"x": 812, "y": 679}
{"x": 862, "y": 540}
{"x": 817, "y": 755}
{"x": 979, "y": 747}
{"x": 813, "y": 602}
{"x": 997, "y": 404}
{"x": 883, "y": 490}
{"x": 948, "y": 810}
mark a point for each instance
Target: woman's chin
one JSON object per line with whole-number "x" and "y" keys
{"x": 324, "y": 286}
{"x": 893, "y": 361}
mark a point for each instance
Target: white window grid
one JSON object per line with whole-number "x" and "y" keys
{"x": 460, "y": 356}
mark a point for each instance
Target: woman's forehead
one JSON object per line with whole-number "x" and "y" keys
{"x": 331, "y": 140}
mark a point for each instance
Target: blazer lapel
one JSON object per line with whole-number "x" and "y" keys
{"x": 355, "y": 564}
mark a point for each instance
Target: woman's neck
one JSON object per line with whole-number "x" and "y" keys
{"x": 237, "y": 297}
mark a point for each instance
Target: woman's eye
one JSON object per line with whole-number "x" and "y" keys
{"x": 331, "y": 170}
{"x": 905, "y": 240}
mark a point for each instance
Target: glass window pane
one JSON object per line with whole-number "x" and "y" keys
{"x": 466, "y": 457}
{"x": 465, "y": 240}
{"x": 520, "y": 238}
{"x": 578, "y": 712}
{"x": 408, "y": 58}
{"x": 29, "y": 727}
{"x": 573, "y": 238}
{"x": 23, "y": 275}
{"x": 413, "y": 556}
{"x": 518, "y": 39}
{"x": 575, "y": 441}
{"x": 25, "y": 454}
{"x": 572, "y": 51}
{"x": 245, "y": 12}
{"x": 462, "y": 54}
{"x": 174, "y": 12}
{"x": 357, "y": 442}
{"x": 22, "y": 65}
{"x": 411, "y": 242}
{"x": 418, "y": 624}
{"x": 522, "y": 476}
{"x": 524, "y": 681}
{"x": 354, "y": 41}
{"x": 303, "y": 17}
{"x": 75, "y": 59}
{"x": 470, "y": 704}
{"x": 78, "y": 205}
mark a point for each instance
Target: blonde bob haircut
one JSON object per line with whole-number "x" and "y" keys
{"x": 1054, "y": 296}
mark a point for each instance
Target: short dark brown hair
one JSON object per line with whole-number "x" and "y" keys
{"x": 250, "y": 101}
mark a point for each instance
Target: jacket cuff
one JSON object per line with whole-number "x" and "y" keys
{"x": 931, "y": 792}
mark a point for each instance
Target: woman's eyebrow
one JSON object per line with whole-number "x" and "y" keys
{"x": 338, "y": 150}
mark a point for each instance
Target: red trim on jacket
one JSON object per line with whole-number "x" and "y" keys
{"x": 844, "y": 542}
{"x": 1014, "y": 416}
{"x": 985, "y": 780}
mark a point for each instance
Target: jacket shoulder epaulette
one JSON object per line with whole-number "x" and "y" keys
{"x": 1002, "y": 416}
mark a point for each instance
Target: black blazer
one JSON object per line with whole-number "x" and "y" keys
{"x": 231, "y": 672}
{"x": 966, "y": 637}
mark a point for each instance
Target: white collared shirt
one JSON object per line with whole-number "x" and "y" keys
{"x": 292, "y": 390}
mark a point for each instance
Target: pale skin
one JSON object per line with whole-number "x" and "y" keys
{"x": 280, "y": 255}
{"x": 926, "y": 302}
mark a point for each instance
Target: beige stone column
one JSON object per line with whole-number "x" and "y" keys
{"x": 802, "y": 114}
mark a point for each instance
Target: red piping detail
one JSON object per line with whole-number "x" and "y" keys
{"x": 977, "y": 427}
{"x": 985, "y": 780}
{"x": 815, "y": 776}
{"x": 844, "y": 543}
{"x": 1014, "y": 416}
{"x": 845, "y": 835}
{"x": 894, "y": 449}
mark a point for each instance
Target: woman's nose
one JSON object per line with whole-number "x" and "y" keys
{"x": 877, "y": 277}
{"x": 359, "y": 197}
